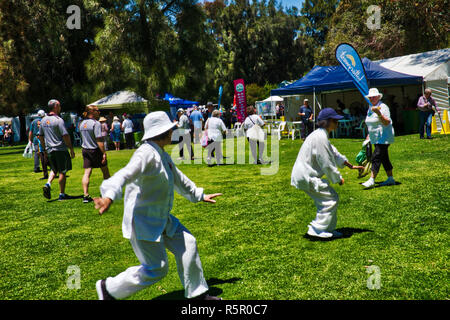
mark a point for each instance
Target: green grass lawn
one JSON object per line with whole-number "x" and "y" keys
{"x": 251, "y": 242}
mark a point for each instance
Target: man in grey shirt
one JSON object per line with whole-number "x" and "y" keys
{"x": 55, "y": 140}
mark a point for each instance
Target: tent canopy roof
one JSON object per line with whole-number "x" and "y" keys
{"x": 274, "y": 98}
{"x": 431, "y": 65}
{"x": 329, "y": 78}
{"x": 117, "y": 99}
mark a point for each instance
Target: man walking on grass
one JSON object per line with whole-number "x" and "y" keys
{"x": 55, "y": 140}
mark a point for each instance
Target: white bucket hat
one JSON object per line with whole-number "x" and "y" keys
{"x": 181, "y": 110}
{"x": 156, "y": 123}
{"x": 373, "y": 92}
{"x": 41, "y": 113}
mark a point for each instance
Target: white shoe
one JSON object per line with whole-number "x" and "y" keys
{"x": 369, "y": 183}
{"x": 389, "y": 182}
{"x": 313, "y": 232}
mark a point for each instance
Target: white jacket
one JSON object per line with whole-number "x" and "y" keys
{"x": 150, "y": 178}
{"x": 317, "y": 157}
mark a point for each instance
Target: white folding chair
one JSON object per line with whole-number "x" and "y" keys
{"x": 280, "y": 129}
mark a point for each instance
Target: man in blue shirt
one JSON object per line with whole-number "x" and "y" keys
{"x": 196, "y": 119}
{"x": 1, "y": 135}
{"x": 33, "y": 138}
{"x": 306, "y": 116}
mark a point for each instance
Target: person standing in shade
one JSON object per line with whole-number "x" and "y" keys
{"x": 127, "y": 126}
{"x": 116, "y": 130}
{"x": 55, "y": 140}
{"x": 381, "y": 135}
{"x": 33, "y": 138}
{"x": 151, "y": 178}
{"x": 93, "y": 149}
{"x": 306, "y": 115}
{"x": 318, "y": 157}
{"x": 425, "y": 104}
{"x": 184, "y": 135}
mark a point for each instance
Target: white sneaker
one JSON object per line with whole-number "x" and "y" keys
{"x": 389, "y": 182}
{"x": 313, "y": 232}
{"x": 369, "y": 183}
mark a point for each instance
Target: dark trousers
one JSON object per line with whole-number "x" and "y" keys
{"x": 425, "y": 119}
{"x": 129, "y": 140}
{"x": 306, "y": 128}
{"x": 44, "y": 162}
{"x": 380, "y": 156}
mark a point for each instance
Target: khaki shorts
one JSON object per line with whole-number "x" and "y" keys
{"x": 60, "y": 161}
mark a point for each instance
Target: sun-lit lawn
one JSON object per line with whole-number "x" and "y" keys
{"x": 251, "y": 242}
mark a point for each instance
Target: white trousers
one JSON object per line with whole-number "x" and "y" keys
{"x": 326, "y": 201}
{"x": 154, "y": 265}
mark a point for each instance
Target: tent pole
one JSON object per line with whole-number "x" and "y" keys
{"x": 314, "y": 108}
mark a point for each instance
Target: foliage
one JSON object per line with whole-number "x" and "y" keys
{"x": 405, "y": 27}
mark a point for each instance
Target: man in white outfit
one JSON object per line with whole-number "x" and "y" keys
{"x": 318, "y": 157}
{"x": 151, "y": 178}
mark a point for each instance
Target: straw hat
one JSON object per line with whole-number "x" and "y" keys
{"x": 102, "y": 119}
{"x": 156, "y": 123}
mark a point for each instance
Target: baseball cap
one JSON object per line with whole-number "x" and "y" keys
{"x": 329, "y": 113}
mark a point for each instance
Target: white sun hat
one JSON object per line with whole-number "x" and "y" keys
{"x": 156, "y": 123}
{"x": 373, "y": 92}
{"x": 41, "y": 113}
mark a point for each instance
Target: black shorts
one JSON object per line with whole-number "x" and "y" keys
{"x": 92, "y": 158}
{"x": 60, "y": 161}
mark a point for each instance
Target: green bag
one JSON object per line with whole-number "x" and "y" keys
{"x": 361, "y": 156}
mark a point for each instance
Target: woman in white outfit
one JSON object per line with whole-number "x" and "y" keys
{"x": 318, "y": 157}
{"x": 151, "y": 179}
{"x": 252, "y": 120}
{"x": 215, "y": 127}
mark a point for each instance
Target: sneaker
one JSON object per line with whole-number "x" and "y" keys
{"x": 313, "y": 232}
{"x": 64, "y": 196}
{"x": 102, "y": 293}
{"x": 47, "y": 193}
{"x": 369, "y": 183}
{"x": 389, "y": 182}
{"x": 87, "y": 199}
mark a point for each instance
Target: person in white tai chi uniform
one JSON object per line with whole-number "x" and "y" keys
{"x": 151, "y": 178}
{"x": 318, "y": 157}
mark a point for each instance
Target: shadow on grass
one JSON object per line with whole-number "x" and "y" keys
{"x": 377, "y": 185}
{"x": 179, "y": 294}
{"x": 69, "y": 198}
{"x": 346, "y": 233}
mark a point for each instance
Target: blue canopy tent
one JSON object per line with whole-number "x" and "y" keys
{"x": 330, "y": 78}
{"x": 323, "y": 79}
{"x": 176, "y": 103}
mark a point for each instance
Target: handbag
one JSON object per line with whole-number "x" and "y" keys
{"x": 28, "y": 152}
{"x": 255, "y": 132}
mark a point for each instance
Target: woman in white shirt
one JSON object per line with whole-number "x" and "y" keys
{"x": 215, "y": 127}
{"x": 318, "y": 157}
{"x": 127, "y": 126}
{"x": 252, "y": 120}
{"x": 381, "y": 135}
{"x": 151, "y": 178}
